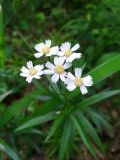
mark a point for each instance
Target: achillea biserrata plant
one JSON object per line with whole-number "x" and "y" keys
{"x": 68, "y": 109}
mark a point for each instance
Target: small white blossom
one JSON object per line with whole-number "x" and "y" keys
{"x": 31, "y": 71}
{"x": 45, "y": 49}
{"x": 76, "y": 81}
{"x": 68, "y": 52}
{"x": 57, "y": 69}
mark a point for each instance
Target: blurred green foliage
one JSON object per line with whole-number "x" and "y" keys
{"x": 23, "y": 23}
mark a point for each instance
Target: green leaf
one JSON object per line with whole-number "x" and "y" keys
{"x": 16, "y": 106}
{"x": 96, "y": 98}
{"x": 100, "y": 119}
{"x": 83, "y": 134}
{"x": 101, "y": 72}
{"x": 55, "y": 125}
{"x": 91, "y": 130}
{"x": 106, "y": 69}
{"x": 8, "y": 150}
{"x": 66, "y": 137}
{"x": 2, "y": 58}
{"x": 44, "y": 108}
{"x": 3, "y": 96}
{"x": 36, "y": 121}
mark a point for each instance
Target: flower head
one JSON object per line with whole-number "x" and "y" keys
{"x": 45, "y": 49}
{"x": 31, "y": 71}
{"x": 68, "y": 52}
{"x": 57, "y": 69}
{"x": 77, "y": 81}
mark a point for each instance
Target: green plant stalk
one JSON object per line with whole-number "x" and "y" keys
{"x": 2, "y": 56}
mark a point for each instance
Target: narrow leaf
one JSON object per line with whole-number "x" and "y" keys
{"x": 101, "y": 72}
{"x": 2, "y": 56}
{"x": 83, "y": 134}
{"x": 91, "y": 130}
{"x": 8, "y": 150}
{"x": 66, "y": 136}
{"x": 36, "y": 121}
{"x": 96, "y": 98}
{"x": 55, "y": 125}
{"x": 16, "y": 106}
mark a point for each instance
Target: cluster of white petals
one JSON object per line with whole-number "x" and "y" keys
{"x": 59, "y": 67}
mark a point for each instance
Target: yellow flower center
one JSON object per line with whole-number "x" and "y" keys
{"x": 59, "y": 69}
{"x": 78, "y": 81}
{"x": 32, "y": 71}
{"x": 68, "y": 52}
{"x": 45, "y": 50}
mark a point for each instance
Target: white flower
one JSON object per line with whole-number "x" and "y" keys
{"x": 45, "y": 49}
{"x": 57, "y": 69}
{"x": 76, "y": 81}
{"x": 68, "y": 52}
{"x": 31, "y": 71}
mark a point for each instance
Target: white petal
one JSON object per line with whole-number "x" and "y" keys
{"x": 76, "y": 55}
{"x": 62, "y": 76}
{"x": 38, "y": 55}
{"x": 71, "y": 76}
{"x": 65, "y": 46}
{"x": 78, "y": 72}
{"x": 24, "y": 74}
{"x": 75, "y": 47}
{"x": 71, "y": 86}
{"x": 61, "y": 60}
{"x": 24, "y": 69}
{"x": 83, "y": 89}
{"x": 39, "y": 73}
{"x": 29, "y": 79}
{"x": 60, "y": 53}
{"x": 48, "y": 43}
{"x": 49, "y": 65}
{"x": 87, "y": 81}
{"x": 67, "y": 65}
{"x": 69, "y": 59}
{"x": 68, "y": 80}
{"x": 37, "y": 76}
{"x": 55, "y": 78}
{"x": 39, "y": 67}
{"x": 73, "y": 56}
{"x": 29, "y": 64}
{"x": 54, "y": 50}
{"x": 48, "y": 71}
{"x": 39, "y": 47}
{"x": 56, "y": 59}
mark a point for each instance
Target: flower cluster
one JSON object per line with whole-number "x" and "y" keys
{"x": 63, "y": 57}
